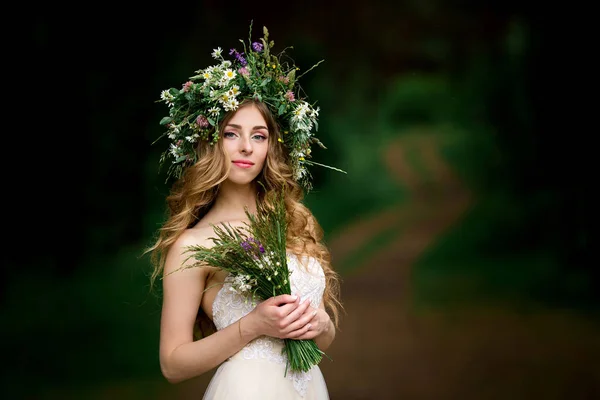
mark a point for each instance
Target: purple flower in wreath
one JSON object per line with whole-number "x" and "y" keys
{"x": 238, "y": 56}
{"x": 257, "y": 47}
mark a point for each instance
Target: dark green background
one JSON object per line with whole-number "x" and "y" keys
{"x": 85, "y": 196}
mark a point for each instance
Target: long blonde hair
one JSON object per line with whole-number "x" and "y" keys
{"x": 194, "y": 193}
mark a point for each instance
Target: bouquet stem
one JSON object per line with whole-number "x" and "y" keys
{"x": 302, "y": 355}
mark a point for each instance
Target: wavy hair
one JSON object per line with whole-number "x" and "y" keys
{"x": 192, "y": 195}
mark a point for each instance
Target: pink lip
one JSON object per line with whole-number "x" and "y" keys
{"x": 244, "y": 164}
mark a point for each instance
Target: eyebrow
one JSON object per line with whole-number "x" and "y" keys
{"x": 254, "y": 128}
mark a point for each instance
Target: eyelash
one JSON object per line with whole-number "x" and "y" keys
{"x": 261, "y": 137}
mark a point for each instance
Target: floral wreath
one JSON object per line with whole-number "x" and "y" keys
{"x": 196, "y": 109}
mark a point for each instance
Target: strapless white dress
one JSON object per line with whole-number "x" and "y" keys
{"x": 257, "y": 372}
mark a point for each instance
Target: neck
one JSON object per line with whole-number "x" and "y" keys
{"x": 233, "y": 199}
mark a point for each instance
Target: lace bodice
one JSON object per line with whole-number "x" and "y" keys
{"x": 308, "y": 280}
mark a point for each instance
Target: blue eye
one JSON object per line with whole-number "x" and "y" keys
{"x": 228, "y": 134}
{"x": 260, "y": 137}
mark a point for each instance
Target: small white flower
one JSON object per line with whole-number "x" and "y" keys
{"x": 315, "y": 113}
{"x": 229, "y": 74}
{"x": 213, "y": 93}
{"x": 224, "y": 99}
{"x": 167, "y": 97}
{"x": 193, "y": 138}
{"x": 300, "y": 173}
{"x": 231, "y": 93}
{"x": 175, "y": 150}
{"x": 300, "y": 111}
{"x": 216, "y": 54}
{"x": 230, "y": 104}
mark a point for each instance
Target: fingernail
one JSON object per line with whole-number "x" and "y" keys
{"x": 314, "y": 313}
{"x": 309, "y": 325}
{"x": 294, "y": 297}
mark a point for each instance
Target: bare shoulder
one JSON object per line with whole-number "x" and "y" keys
{"x": 180, "y": 254}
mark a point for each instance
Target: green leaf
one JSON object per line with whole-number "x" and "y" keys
{"x": 281, "y": 109}
{"x": 166, "y": 120}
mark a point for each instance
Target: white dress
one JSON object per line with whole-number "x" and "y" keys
{"x": 257, "y": 371}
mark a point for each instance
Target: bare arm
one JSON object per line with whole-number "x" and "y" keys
{"x": 181, "y": 357}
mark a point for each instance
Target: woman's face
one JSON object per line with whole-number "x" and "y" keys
{"x": 246, "y": 141}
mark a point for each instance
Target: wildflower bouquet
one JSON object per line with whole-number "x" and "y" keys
{"x": 256, "y": 259}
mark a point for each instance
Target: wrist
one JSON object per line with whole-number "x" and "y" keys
{"x": 327, "y": 323}
{"x": 246, "y": 327}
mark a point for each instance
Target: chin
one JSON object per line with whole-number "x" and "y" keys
{"x": 241, "y": 180}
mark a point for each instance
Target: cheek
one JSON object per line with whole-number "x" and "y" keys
{"x": 228, "y": 147}
{"x": 263, "y": 153}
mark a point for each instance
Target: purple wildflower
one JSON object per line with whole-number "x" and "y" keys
{"x": 253, "y": 245}
{"x": 257, "y": 47}
{"x": 246, "y": 245}
{"x": 238, "y": 56}
{"x": 290, "y": 96}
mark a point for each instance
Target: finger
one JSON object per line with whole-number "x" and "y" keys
{"x": 303, "y": 320}
{"x": 283, "y": 299}
{"x": 283, "y": 310}
{"x": 310, "y": 334}
{"x": 297, "y": 334}
{"x": 296, "y": 313}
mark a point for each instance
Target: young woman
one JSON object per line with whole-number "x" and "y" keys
{"x": 235, "y": 141}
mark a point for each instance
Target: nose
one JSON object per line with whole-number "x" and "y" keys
{"x": 245, "y": 145}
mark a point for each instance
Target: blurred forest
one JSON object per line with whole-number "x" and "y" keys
{"x": 441, "y": 113}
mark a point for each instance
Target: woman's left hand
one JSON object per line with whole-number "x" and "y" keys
{"x": 319, "y": 321}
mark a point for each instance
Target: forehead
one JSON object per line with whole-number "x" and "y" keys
{"x": 248, "y": 116}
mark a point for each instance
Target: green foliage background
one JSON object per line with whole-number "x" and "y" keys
{"x": 77, "y": 309}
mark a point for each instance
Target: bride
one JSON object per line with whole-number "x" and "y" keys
{"x": 220, "y": 159}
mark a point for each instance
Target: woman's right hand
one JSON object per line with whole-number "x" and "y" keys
{"x": 282, "y": 316}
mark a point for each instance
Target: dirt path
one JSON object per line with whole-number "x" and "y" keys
{"x": 388, "y": 351}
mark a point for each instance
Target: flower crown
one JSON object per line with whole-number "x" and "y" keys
{"x": 196, "y": 109}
